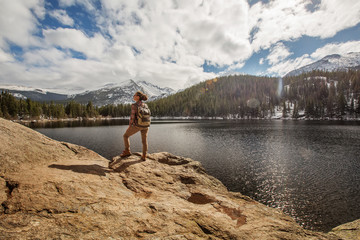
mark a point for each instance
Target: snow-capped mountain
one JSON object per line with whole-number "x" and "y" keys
{"x": 122, "y": 93}
{"x": 155, "y": 92}
{"x": 109, "y": 94}
{"x": 330, "y": 63}
{"x": 35, "y": 94}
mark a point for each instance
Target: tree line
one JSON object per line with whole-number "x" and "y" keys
{"x": 317, "y": 94}
{"x": 243, "y": 95}
{"x": 13, "y": 108}
{"x": 323, "y": 94}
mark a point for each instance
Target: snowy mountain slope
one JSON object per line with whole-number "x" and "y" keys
{"x": 331, "y": 63}
{"x": 34, "y": 94}
{"x": 122, "y": 93}
{"x": 153, "y": 91}
{"x": 109, "y": 94}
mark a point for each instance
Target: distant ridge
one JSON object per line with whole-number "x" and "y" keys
{"x": 35, "y": 94}
{"x": 122, "y": 93}
{"x": 334, "y": 62}
{"x": 109, "y": 94}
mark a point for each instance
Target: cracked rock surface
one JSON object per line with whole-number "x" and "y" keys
{"x": 55, "y": 190}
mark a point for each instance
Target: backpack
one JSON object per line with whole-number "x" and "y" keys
{"x": 143, "y": 115}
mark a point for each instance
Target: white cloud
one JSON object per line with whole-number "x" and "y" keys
{"x": 67, "y": 3}
{"x": 278, "y": 53}
{"x": 336, "y": 48}
{"x": 17, "y": 22}
{"x": 289, "y": 20}
{"x": 168, "y": 27}
{"x": 62, "y": 17}
{"x": 44, "y": 57}
{"x": 5, "y": 57}
{"x": 183, "y": 32}
{"x": 88, "y": 4}
{"x": 67, "y": 38}
{"x": 284, "y": 67}
{"x": 235, "y": 67}
{"x": 217, "y": 32}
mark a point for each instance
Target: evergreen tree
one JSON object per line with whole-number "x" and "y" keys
{"x": 284, "y": 112}
{"x": 309, "y": 109}
{"x": 358, "y": 106}
{"x": 352, "y": 107}
{"x": 295, "y": 111}
{"x": 341, "y": 104}
{"x": 90, "y": 110}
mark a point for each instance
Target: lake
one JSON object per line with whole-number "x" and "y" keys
{"x": 308, "y": 169}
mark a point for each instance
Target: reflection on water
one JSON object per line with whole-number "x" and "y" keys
{"x": 77, "y": 123}
{"x": 310, "y": 170}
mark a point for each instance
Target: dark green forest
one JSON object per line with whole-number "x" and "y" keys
{"x": 317, "y": 94}
{"x": 241, "y": 95}
{"x": 324, "y": 94}
{"x": 12, "y": 108}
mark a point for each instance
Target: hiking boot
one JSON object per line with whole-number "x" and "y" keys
{"x": 125, "y": 153}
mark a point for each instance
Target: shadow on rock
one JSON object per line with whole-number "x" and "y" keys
{"x": 88, "y": 169}
{"x": 120, "y": 164}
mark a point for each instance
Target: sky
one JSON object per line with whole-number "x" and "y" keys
{"x": 70, "y": 46}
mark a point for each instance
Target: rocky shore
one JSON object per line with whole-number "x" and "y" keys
{"x": 57, "y": 190}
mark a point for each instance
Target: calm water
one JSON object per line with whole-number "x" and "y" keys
{"x": 310, "y": 170}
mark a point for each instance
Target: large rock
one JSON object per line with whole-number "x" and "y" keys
{"x": 54, "y": 190}
{"x": 348, "y": 231}
{"x": 22, "y": 146}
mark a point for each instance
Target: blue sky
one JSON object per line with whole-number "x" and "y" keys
{"x": 76, "y": 45}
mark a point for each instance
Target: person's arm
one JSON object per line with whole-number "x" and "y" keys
{"x": 132, "y": 116}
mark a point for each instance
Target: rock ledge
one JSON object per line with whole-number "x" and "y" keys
{"x": 55, "y": 190}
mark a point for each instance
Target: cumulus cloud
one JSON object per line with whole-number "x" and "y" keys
{"x": 289, "y": 20}
{"x": 336, "y": 48}
{"x": 5, "y": 57}
{"x": 181, "y": 31}
{"x": 88, "y": 4}
{"x": 44, "y": 57}
{"x": 18, "y": 25}
{"x": 67, "y": 38}
{"x": 284, "y": 67}
{"x": 278, "y": 53}
{"x": 166, "y": 37}
{"x": 62, "y": 17}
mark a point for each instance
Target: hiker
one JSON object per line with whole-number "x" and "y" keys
{"x": 137, "y": 123}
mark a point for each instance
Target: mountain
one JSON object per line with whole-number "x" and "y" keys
{"x": 35, "y": 94}
{"x": 334, "y": 62}
{"x": 122, "y": 93}
{"x": 109, "y": 94}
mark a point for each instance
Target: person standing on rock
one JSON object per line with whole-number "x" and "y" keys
{"x": 139, "y": 122}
